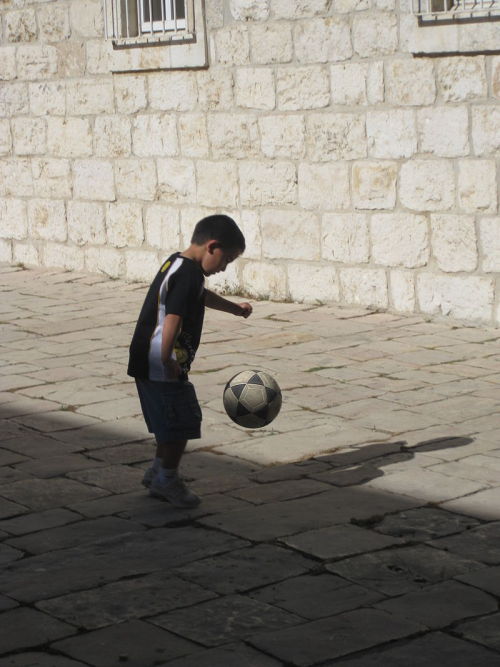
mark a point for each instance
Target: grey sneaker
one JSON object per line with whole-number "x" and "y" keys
{"x": 175, "y": 491}
{"x": 148, "y": 477}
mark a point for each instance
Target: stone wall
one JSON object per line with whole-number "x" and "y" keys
{"x": 360, "y": 173}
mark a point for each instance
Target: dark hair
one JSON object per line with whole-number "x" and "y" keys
{"x": 219, "y": 228}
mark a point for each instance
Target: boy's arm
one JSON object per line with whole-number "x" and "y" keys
{"x": 171, "y": 327}
{"x": 217, "y": 302}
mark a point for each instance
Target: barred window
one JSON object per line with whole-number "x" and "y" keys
{"x": 136, "y": 22}
{"x": 439, "y": 10}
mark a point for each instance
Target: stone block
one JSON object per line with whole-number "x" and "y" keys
{"x": 130, "y": 93}
{"x": 99, "y": 60}
{"x": 402, "y": 291}
{"x": 47, "y": 98}
{"x": 282, "y": 136}
{"x": 232, "y": 46}
{"x": 16, "y": 179}
{"x": 302, "y": 88}
{"x": 93, "y": 180}
{"x": 5, "y": 137}
{"x": 284, "y": 9}
{"x": 67, "y": 257}
{"x": 477, "y": 186}
{"x": 271, "y": 43}
{"x": 254, "y": 88}
{"x": 51, "y": 178}
{"x": 264, "y": 183}
{"x": 124, "y": 224}
{"x": 176, "y": 180}
{"x": 374, "y": 185}
{"x": 365, "y": 287}
{"x": 8, "y": 67}
{"x": 264, "y": 280}
{"x": 177, "y": 92}
{"x": 410, "y": 82}
{"x": 335, "y": 136}
{"x": 250, "y": 225}
{"x": 141, "y": 265}
{"x": 312, "y": 283}
{"x": 233, "y": 135}
{"x": 112, "y": 136}
{"x": 489, "y": 235}
{"x": 29, "y": 136}
{"x": 454, "y": 244}
{"x": 86, "y": 18}
{"x": 136, "y": 179}
{"x": 495, "y": 77}
{"x": 214, "y": 14}
{"x": 461, "y": 297}
{"x": 193, "y": 137}
{"x": 324, "y": 186}
{"x": 36, "y": 61}
{"x": 13, "y": 219}
{"x": 348, "y": 83}
{"x": 322, "y": 40}
{"x": 486, "y": 129}
{"x": 6, "y": 250}
{"x": 104, "y": 260}
{"x": 427, "y": 185}
{"x": 26, "y": 253}
{"x": 375, "y": 82}
{"x": 392, "y": 133}
{"x": 461, "y": 78}
{"x": 280, "y": 231}
{"x": 20, "y": 26}
{"x": 345, "y": 238}
{"x": 443, "y": 131}
{"x": 215, "y": 90}
{"x": 217, "y": 183}
{"x": 154, "y": 134}
{"x": 53, "y": 23}
{"x": 92, "y": 97}
{"x": 14, "y": 99}
{"x": 69, "y": 137}
{"x": 161, "y": 226}
{"x": 86, "y": 223}
{"x": 399, "y": 239}
{"x": 72, "y": 60}
{"x": 249, "y": 10}
{"x": 375, "y": 34}
{"x": 47, "y": 219}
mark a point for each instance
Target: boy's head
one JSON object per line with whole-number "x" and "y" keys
{"x": 222, "y": 242}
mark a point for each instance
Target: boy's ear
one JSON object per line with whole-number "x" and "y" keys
{"x": 213, "y": 245}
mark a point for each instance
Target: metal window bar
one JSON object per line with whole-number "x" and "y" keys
{"x": 148, "y": 20}
{"x": 456, "y": 8}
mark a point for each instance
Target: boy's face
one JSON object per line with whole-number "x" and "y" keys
{"x": 216, "y": 259}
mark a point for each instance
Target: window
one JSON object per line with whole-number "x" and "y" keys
{"x": 135, "y": 22}
{"x": 436, "y": 10}
{"x": 167, "y": 15}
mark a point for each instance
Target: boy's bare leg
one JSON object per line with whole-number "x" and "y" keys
{"x": 170, "y": 453}
{"x": 166, "y": 484}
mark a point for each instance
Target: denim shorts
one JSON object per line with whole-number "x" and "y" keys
{"x": 171, "y": 410}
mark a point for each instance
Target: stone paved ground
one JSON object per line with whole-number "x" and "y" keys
{"x": 362, "y": 528}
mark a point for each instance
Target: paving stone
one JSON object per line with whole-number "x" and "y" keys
{"x": 231, "y": 655}
{"x": 34, "y": 659}
{"x": 125, "y": 454}
{"x": 485, "y": 630}
{"x": 316, "y": 596}
{"x": 487, "y": 579}
{"x": 131, "y": 505}
{"x": 424, "y": 523}
{"x": 43, "y": 494}
{"x": 9, "y": 554}
{"x": 33, "y": 444}
{"x": 8, "y": 458}
{"x": 482, "y": 505}
{"x": 54, "y": 466}
{"x": 133, "y": 643}
{"x": 333, "y": 637}
{"x": 8, "y": 508}
{"x": 114, "y": 478}
{"x": 23, "y": 628}
{"x": 225, "y": 619}
{"x": 124, "y": 600}
{"x": 35, "y": 521}
{"x": 297, "y": 516}
{"x": 440, "y": 605}
{"x": 50, "y": 422}
{"x": 277, "y": 491}
{"x": 401, "y": 570}
{"x": 76, "y": 534}
{"x": 244, "y": 569}
{"x": 434, "y": 648}
{"x": 480, "y": 544}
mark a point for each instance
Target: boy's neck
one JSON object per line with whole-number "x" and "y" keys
{"x": 194, "y": 252}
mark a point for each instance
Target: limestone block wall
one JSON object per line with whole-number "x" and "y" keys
{"x": 359, "y": 172}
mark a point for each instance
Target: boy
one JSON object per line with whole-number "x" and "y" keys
{"x": 164, "y": 345}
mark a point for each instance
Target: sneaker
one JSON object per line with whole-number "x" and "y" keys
{"x": 148, "y": 477}
{"x": 175, "y": 491}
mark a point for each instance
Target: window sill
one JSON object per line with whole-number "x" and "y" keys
{"x": 451, "y": 38}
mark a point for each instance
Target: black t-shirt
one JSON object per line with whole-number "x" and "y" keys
{"x": 177, "y": 289}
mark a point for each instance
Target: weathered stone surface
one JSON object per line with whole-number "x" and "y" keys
{"x": 443, "y": 131}
{"x": 477, "y": 189}
{"x": 154, "y": 134}
{"x": 47, "y": 219}
{"x": 282, "y": 136}
{"x": 176, "y": 180}
{"x": 271, "y": 43}
{"x": 481, "y": 543}
{"x": 302, "y": 88}
{"x": 461, "y": 78}
{"x": 345, "y": 237}
{"x": 232, "y": 46}
{"x": 367, "y": 287}
{"x": 309, "y": 283}
{"x": 249, "y": 10}
{"x": 410, "y": 82}
{"x": 135, "y": 179}
{"x": 324, "y": 186}
{"x": 267, "y": 182}
{"x": 29, "y": 136}
{"x": 112, "y": 136}
{"x": 399, "y": 239}
{"x": 86, "y": 223}
{"x": 375, "y": 34}
{"x": 51, "y": 178}
{"x": 374, "y": 185}
{"x": 193, "y": 137}
{"x": 217, "y": 183}
{"x": 23, "y": 628}
{"x": 486, "y": 129}
{"x": 233, "y": 136}
{"x": 333, "y": 137}
{"x": 322, "y": 40}
{"x": 69, "y": 137}
{"x": 254, "y": 88}
{"x": 181, "y": 94}
{"x": 427, "y": 185}
{"x": 454, "y": 243}
{"x": 280, "y": 230}
{"x": 482, "y": 630}
{"x": 229, "y": 655}
{"x": 424, "y": 523}
{"x": 462, "y": 297}
{"x": 489, "y": 233}
{"x": 20, "y": 26}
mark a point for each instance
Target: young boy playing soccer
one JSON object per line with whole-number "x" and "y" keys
{"x": 164, "y": 345}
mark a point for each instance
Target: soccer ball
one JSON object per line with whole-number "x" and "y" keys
{"x": 252, "y": 398}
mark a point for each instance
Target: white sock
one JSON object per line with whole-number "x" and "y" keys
{"x": 166, "y": 474}
{"x": 156, "y": 464}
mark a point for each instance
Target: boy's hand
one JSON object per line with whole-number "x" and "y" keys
{"x": 246, "y": 309}
{"x": 173, "y": 368}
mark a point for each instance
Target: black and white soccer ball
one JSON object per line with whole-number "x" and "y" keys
{"x": 252, "y": 398}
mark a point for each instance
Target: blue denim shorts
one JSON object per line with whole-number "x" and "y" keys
{"x": 171, "y": 410}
